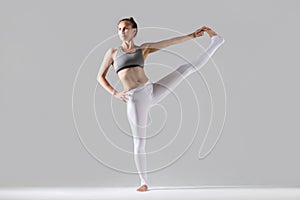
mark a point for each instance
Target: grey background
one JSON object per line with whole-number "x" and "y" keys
{"x": 47, "y": 47}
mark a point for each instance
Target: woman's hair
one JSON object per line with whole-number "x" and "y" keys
{"x": 132, "y": 22}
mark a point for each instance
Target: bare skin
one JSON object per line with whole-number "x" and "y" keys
{"x": 210, "y": 32}
{"x": 135, "y": 76}
{"x": 142, "y": 188}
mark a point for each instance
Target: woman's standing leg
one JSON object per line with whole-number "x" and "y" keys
{"x": 138, "y": 107}
{"x": 164, "y": 86}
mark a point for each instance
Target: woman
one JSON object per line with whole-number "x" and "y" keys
{"x": 139, "y": 92}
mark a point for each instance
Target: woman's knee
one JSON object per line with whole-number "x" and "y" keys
{"x": 139, "y": 146}
{"x": 185, "y": 69}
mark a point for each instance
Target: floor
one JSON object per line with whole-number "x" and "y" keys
{"x": 203, "y": 192}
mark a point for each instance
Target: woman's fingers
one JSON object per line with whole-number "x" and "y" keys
{"x": 125, "y": 96}
{"x": 200, "y": 31}
{"x": 205, "y": 27}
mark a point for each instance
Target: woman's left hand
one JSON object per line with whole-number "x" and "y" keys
{"x": 200, "y": 31}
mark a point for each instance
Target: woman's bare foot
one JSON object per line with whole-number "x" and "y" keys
{"x": 214, "y": 36}
{"x": 210, "y": 32}
{"x": 143, "y": 188}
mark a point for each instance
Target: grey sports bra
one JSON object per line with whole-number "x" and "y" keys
{"x": 125, "y": 60}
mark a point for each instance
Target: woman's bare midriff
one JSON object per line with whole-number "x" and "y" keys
{"x": 132, "y": 77}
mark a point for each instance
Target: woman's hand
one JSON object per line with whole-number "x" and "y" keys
{"x": 122, "y": 95}
{"x": 200, "y": 31}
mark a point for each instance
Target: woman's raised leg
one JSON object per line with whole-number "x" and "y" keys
{"x": 164, "y": 86}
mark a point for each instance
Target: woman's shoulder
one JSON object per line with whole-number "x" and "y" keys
{"x": 144, "y": 45}
{"x": 112, "y": 51}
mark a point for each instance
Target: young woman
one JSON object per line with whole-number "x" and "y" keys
{"x": 139, "y": 93}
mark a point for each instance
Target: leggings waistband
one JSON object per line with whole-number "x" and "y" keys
{"x": 140, "y": 87}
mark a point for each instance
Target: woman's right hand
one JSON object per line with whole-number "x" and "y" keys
{"x": 123, "y": 96}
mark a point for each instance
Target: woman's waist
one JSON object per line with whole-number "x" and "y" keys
{"x": 135, "y": 85}
{"x": 133, "y": 79}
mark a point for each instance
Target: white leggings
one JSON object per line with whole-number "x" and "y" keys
{"x": 143, "y": 98}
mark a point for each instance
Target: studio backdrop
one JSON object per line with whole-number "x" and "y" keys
{"x": 234, "y": 122}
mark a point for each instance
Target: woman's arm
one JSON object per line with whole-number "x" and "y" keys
{"x": 101, "y": 77}
{"x": 155, "y": 46}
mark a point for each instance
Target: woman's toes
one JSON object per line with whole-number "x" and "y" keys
{"x": 211, "y": 33}
{"x": 143, "y": 188}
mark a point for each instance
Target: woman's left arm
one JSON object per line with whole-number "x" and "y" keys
{"x": 155, "y": 46}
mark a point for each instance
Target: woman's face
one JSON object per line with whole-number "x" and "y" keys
{"x": 125, "y": 31}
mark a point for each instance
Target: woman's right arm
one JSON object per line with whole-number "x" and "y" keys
{"x": 101, "y": 77}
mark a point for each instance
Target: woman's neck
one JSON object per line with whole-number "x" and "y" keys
{"x": 128, "y": 45}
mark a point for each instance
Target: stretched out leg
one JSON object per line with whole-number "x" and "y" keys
{"x": 164, "y": 86}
